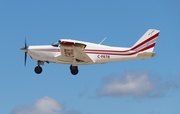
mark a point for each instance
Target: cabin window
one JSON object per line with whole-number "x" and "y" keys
{"x": 56, "y": 44}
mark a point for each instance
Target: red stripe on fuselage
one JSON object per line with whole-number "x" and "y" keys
{"x": 132, "y": 53}
{"x": 108, "y": 50}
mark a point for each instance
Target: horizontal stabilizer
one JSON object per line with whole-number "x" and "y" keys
{"x": 144, "y": 55}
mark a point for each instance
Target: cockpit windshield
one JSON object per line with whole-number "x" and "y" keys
{"x": 56, "y": 44}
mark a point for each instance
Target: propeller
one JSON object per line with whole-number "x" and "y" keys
{"x": 25, "y": 50}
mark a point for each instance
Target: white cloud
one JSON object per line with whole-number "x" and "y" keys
{"x": 136, "y": 84}
{"x": 45, "y": 105}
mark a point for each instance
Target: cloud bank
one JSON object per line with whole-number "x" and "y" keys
{"x": 136, "y": 84}
{"x": 45, "y": 105}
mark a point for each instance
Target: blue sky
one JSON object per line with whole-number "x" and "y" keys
{"x": 156, "y": 81}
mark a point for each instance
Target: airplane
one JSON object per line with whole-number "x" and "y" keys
{"x": 74, "y": 52}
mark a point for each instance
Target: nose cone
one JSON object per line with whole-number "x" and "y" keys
{"x": 24, "y": 49}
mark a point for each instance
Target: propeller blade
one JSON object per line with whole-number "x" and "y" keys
{"x": 25, "y": 43}
{"x": 25, "y": 58}
{"x": 25, "y": 50}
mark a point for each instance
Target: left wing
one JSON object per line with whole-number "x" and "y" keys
{"x": 70, "y": 50}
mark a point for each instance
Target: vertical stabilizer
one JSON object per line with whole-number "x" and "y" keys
{"x": 147, "y": 42}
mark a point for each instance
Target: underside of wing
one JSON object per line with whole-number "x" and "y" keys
{"x": 73, "y": 50}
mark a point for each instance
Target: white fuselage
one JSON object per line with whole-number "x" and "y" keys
{"x": 98, "y": 53}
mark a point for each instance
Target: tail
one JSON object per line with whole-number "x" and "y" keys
{"x": 147, "y": 42}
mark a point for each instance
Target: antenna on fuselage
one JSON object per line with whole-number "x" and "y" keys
{"x": 102, "y": 41}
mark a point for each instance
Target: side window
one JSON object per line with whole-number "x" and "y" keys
{"x": 56, "y": 44}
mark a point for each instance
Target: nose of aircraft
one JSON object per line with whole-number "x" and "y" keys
{"x": 24, "y": 49}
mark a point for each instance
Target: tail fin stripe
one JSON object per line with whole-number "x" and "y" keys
{"x": 148, "y": 47}
{"x": 146, "y": 44}
{"x": 149, "y": 39}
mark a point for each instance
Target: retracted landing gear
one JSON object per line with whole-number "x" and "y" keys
{"x": 74, "y": 70}
{"x": 38, "y": 69}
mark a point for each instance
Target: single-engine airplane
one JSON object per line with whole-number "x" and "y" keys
{"x": 74, "y": 52}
